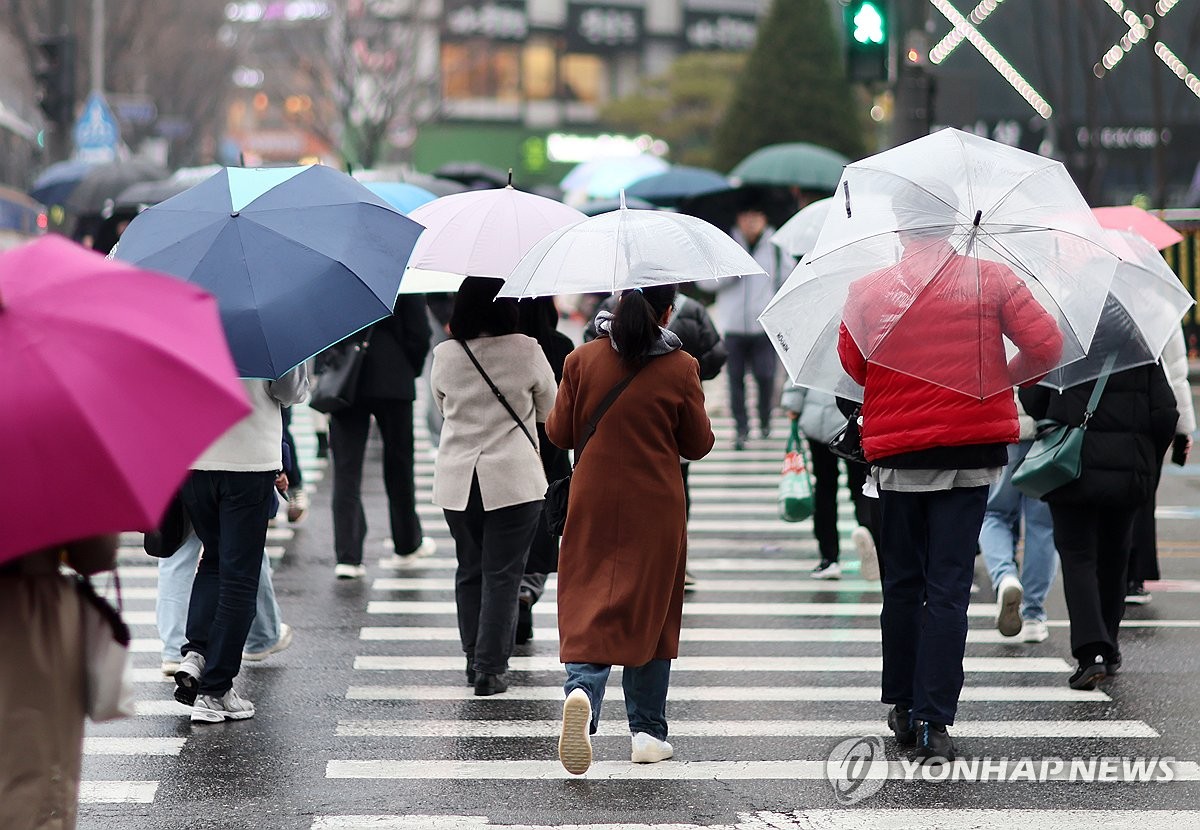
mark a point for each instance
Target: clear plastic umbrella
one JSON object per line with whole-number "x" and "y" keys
{"x": 1144, "y": 306}
{"x": 957, "y": 260}
{"x": 627, "y": 249}
{"x": 799, "y": 234}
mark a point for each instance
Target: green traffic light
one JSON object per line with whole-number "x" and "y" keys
{"x": 869, "y": 24}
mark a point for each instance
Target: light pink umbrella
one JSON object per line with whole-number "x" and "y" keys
{"x": 1135, "y": 220}
{"x": 481, "y": 233}
{"x": 114, "y": 381}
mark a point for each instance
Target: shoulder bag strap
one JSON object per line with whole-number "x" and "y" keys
{"x": 1098, "y": 390}
{"x": 612, "y": 395}
{"x": 499, "y": 395}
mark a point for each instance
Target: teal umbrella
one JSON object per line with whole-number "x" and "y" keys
{"x": 798, "y": 164}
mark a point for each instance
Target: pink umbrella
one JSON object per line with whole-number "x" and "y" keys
{"x": 115, "y": 380}
{"x": 481, "y": 233}
{"x": 1135, "y": 220}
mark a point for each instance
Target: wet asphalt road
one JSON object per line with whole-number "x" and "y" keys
{"x": 279, "y": 770}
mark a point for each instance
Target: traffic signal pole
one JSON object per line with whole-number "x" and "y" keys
{"x": 914, "y": 87}
{"x": 58, "y": 80}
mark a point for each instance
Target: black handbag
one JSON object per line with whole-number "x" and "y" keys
{"x": 558, "y": 494}
{"x": 175, "y": 526}
{"x": 847, "y": 443}
{"x": 337, "y": 384}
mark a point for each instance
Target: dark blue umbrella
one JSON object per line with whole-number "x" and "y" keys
{"x": 55, "y": 184}
{"x": 297, "y": 257}
{"x": 680, "y": 182}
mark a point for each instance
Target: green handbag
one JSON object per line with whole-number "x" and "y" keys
{"x": 795, "y": 487}
{"x": 1056, "y": 457}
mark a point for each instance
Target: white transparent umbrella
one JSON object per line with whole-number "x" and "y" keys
{"x": 627, "y": 249}
{"x": 954, "y": 259}
{"x": 481, "y": 233}
{"x": 1142, "y": 311}
{"x": 799, "y": 234}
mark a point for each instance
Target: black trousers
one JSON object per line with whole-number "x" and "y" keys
{"x": 348, "y": 431}
{"x": 928, "y": 554}
{"x": 1143, "y": 554}
{"x": 229, "y": 511}
{"x": 491, "y": 546}
{"x": 825, "y": 483}
{"x": 1093, "y": 545}
{"x": 753, "y": 352}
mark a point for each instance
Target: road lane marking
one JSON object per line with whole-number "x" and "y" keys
{"x": 117, "y": 792}
{"x": 707, "y": 694}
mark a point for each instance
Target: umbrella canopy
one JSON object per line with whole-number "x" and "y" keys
{"x": 721, "y": 207}
{"x": 434, "y": 184}
{"x": 797, "y": 164}
{"x": 143, "y": 194}
{"x": 115, "y": 380}
{"x": 605, "y": 178}
{"x": 103, "y": 183}
{"x": 473, "y": 174}
{"x": 599, "y": 206}
{"x": 54, "y": 185}
{"x": 680, "y": 182}
{"x": 483, "y": 233}
{"x": 297, "y": 257}
{"x": 1146, "y": 224}
{"x": 627, "y": 249}
{"x": 1144, "y": 306}
{"x": 954, "y": 259}
{"x": 799, "y": 234}
{"x": 402, "y": 196}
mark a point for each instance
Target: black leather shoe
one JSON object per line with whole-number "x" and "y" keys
{"x": 470, "y": 673}
{"x": 1089, "y": 674}
{"x": 524, "y": 622}
{"x": 933, "y": 742}
{"x": 1114, "y": 663}
{"x": 900, "y": 722}
{"x": 490, "y": 684}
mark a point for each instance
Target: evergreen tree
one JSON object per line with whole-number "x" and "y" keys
{"x": 793, "y": 88}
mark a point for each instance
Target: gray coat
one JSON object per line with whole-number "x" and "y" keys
{"x": 479, "y": 436}
{"x": 820, "y": 418}
{"x": 741, "y": 299}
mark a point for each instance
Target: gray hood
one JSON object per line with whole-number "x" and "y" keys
{"x": 668, "y": 341}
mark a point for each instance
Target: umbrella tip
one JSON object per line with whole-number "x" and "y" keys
{"x": 510, "y": 177}
{"x": 241, "y": 159}
{"x": 978, "y": 216}
{"x": 622, "y": 199}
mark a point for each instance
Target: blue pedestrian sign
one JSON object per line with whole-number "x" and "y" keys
{"x": 96, "y": 133}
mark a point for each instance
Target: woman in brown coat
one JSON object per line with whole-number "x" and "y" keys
{"x": 620, "y": 578}
{"x": 42, "y": 696}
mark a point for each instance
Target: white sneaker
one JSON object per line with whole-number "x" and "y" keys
{"x": 826, "y": 570}
{"x": 344, "y": 571}
{"x": 297, "y": 506}
{"x": 574, "y": 741}
{"x": 229, "y": 706}
{"x": 1008, "y": 600}
{"x": 169, "y": 667}
{"x": 1033, "y": 631}
{"x": 864, "y": 543}
{"x": 285, "y": 640}
{"x": 187, "y": 677}
{"x": 648, "y": 749}
{"x": 428, "y": 547}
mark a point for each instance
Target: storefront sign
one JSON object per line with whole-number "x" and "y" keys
{"x": 592, "y": 27}
{"x": 727, "y": 31}
{"x": 495, "y": 19}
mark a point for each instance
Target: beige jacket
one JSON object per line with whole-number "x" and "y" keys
{"x": 479, "y": 436}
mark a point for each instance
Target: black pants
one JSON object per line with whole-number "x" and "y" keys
{"x": 348, "y": 431}
{"x": 1093, "y": 545}
{"x": 229, "y": 512}
{"x": 928, "y": 554}
{"x": 753, "y": 352}
{"x": 491, "y": 546}
{"x": 825, "y": 483}
{"x": 295, "y": 476}
{"x": 1143, "y": 554}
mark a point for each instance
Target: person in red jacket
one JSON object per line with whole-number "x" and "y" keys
{"x": 925, "y": 339}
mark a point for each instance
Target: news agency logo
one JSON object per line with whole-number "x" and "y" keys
{"x": 857, "y": 768}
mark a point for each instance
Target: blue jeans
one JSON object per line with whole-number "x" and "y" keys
{"x": 928, "y": 552}
{"x": 175, "y": 576}
{"x": 645, "y": 693}
{"x": 1001, "y": 529}
{"x": 229, "y": 511}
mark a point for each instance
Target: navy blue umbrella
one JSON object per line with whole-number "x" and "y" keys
{"x": 297, "y": 257}
{"x": 680, "y": 182}
{"x": 55, "y": 183}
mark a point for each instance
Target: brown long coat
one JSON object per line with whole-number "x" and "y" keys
{"x": 620, "y": 571}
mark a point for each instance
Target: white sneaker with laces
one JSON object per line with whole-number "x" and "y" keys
{"x": 648, "y": 749}
{"x": 285, "y": 640}
{"x": 344, "y": 571}
{"x": 1009, "y": 594}
{"x": 1034, "y": 631}
{"x": 297, "y": 506}
{"x": 826, "y": 570}
{"x": 574, "y": 740}
{"x": 428, "y": 547}
{"x": 229, "y": 706}
{"x": 864, "y": 544}
{"x": 187, "y": 677}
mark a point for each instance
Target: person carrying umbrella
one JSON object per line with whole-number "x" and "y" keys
{"x": 935, "y": 450}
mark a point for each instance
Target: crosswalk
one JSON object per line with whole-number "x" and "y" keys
{"x": 775, "y": 670}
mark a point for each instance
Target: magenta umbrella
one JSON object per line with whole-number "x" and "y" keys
{"x": 115, "y": 380}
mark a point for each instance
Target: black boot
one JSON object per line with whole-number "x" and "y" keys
{"x": 1089, "y": 674}
{"x": 490, "y": 684}
{"x": 470, "y": 672}
{"x": 900, "y": 722}
{"x": 933, "y": 742}
{"x": 524, "y": 621}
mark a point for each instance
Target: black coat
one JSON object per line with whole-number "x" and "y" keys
{"x": 396, "y": 353}
{"x": 694, "y": 327}
{"x": 1129, "y": 432}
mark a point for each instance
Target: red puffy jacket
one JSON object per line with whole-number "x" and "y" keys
{"x": 949, "y": 327}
